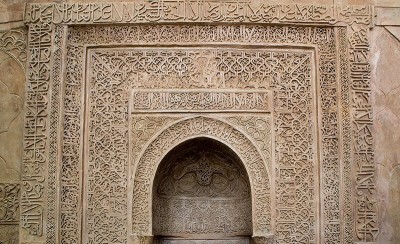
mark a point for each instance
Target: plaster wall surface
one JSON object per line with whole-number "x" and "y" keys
{"x": 385, "y": 60}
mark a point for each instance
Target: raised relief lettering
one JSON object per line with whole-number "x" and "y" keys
{"x": 200, "y": 101}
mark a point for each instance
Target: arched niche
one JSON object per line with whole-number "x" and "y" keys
{"x": 150, "y": 158}
{"x": 201, "y": 191}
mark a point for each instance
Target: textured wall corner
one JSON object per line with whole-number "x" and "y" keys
{"x": 12, "y": 95}
{"x": 385, "y": 57}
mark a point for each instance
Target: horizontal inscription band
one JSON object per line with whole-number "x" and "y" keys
{"x": 145, "y": 101}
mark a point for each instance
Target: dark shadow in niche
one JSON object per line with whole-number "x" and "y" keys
{"x": 202, "y": 192}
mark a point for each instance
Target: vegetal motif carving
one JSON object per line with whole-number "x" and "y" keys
{"x": 13, "y": 42}
{"x": 201, "y": 189}
{"x": 197, "y": 127}
{"x": 9, "y": 202}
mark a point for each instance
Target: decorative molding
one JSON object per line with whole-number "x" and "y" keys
{"x": 321, "y": 36}
{"x": 52, "y": 223}
{"x": 181, "y": 11}
{"x": 346, "y": 184}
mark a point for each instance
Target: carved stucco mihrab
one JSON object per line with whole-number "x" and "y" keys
{"x": 320, "y": 87}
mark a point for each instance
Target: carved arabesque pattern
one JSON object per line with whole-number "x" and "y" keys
{"x": 259, "y": 129}
{"x": 143, "y": 128}
{"x": 295, "y": 162}
{"x": 197, "y": 127}
{"x": 9, "y": 202}
{"x": 194, "y": 217}
{"x": 289, "y": 70}
{"x": 70, "y": 176}
{"x": 201, "y": 188}
{"x": 192, "y": 68}
{"x": 329, "y": 132}
{"x": 13, "y": 42}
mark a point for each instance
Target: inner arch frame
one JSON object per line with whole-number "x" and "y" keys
{"x": 142, "y": 181}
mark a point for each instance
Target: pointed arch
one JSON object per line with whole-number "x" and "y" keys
{"x": 186, "y": 129}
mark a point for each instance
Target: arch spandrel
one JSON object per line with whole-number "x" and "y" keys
{"x": 184, "y": 130}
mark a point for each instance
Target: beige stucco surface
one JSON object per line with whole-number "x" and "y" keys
{"x": 12, "y": 87}
{"x": 385, "y": 83}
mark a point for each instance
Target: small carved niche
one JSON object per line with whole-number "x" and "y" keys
{"x": 202, "y": 191}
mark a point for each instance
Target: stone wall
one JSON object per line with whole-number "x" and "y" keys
{"x": 385, "y": 60}
{"x": 12, "y": 97}
{"x": 385, "y": 83}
